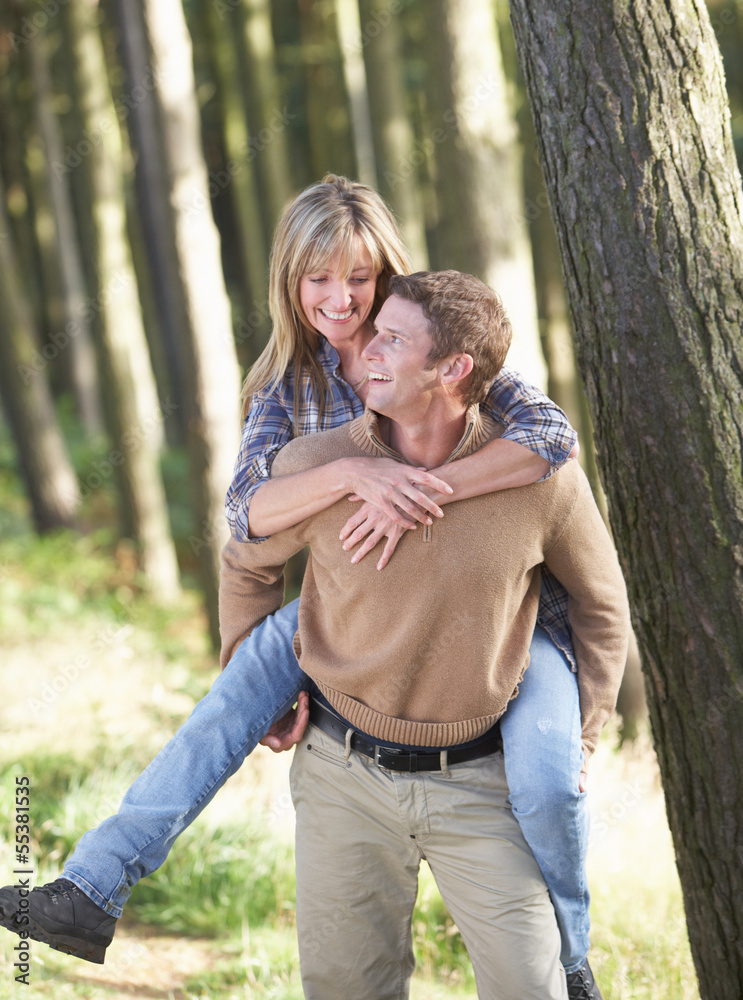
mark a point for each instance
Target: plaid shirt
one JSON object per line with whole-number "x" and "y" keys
{"x": 530, "y": 418}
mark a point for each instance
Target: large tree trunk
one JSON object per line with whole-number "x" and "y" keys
{"x": 564, "y": 386}
{"x": 478, "y": 162}
{"x": 133, "y": 412}
{"x": 212, "y": 374}
{"x": 394, "y": 145}
{"x": 563, "y": 381}
{"x": 42, "y": 454}
{"x": 631, "y": 114}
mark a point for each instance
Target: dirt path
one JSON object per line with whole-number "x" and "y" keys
{"x": 140, "y": 962}
{"x": 145, "y": 963}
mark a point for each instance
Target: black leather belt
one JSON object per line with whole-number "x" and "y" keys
{"x": 392, "y": 758}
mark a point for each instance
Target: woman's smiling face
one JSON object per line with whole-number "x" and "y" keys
{"x": 338, "y": 304}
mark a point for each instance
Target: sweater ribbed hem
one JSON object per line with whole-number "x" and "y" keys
{"x": 386, "y": 728}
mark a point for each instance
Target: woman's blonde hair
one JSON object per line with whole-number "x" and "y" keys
{"x": 321, "y": 225}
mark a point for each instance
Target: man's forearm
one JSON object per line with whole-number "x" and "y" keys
{"x": 585, "y": 562}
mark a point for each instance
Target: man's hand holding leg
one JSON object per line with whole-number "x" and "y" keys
{"x": 289, "y": 730}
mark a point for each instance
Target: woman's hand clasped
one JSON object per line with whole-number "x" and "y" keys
{"x": 396, "y": 498}
{"x": 395, "y": 488}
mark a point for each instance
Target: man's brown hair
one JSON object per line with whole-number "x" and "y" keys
{"x": 465, "y": 316}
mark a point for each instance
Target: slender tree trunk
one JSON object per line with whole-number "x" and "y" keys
{"x": 727, "y": 23}
{"x": 253, "y": 327}
{"x": 266, "y": 112}
{"x": 397, "y": 154}
{"x": 213, "y": 378}
{"x": 479, "y": 182}
{"x": 76, "y": 334}
{"x": 152, "y": 188}
{"x": 631, "y": 114}
{"x": 42, "y": 454}
{"x": 328, "y": 110}
{"x": 134, "y": 413}
{"x": 50, "y": 311}
{"x": 354, "y": 73}
{"x": 289, "y": 54}
{"x": 16, "y": 111}
{"x": 632, "y": 706}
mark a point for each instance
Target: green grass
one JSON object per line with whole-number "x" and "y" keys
{"x": 220, "y": 879}
{"x": 440, "y": 953}
{"x": 263, "y": 963}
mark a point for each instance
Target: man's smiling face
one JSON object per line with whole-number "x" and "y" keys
{"x": 396, "y": 359}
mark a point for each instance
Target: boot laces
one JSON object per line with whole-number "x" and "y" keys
{"x": 580, "y": 980}
{"x": 59, "y": 887}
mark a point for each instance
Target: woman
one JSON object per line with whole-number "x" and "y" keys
{"x": 334, "y": 250}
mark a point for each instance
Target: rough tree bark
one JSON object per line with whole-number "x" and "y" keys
{"x": 564, "y": 386}
{"x": 631, "y": 115}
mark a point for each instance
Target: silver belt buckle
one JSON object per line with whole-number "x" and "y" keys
{"x": 390, "y": 750}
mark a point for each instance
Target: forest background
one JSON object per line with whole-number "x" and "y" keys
{"x": 146, "y": 151}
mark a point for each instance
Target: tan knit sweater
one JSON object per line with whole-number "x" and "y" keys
{"x": 430, "y": 650}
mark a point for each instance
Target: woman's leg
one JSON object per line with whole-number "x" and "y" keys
{"x": 258, "y": 686}
{"x": 542, "y": 747}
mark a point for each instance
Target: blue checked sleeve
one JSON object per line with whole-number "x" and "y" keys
{"x": 530, "y": 418}
{"x": 267, "y": 428}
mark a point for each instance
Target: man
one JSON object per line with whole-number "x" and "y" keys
{"x": 412, "y": 670}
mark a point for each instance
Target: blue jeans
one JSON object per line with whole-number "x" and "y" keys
{"x": 258, "y": 686}
{"x": 542, "y": 753}
{"x": 543, "y": 756}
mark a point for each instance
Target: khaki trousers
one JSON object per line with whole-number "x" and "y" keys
{"x": 361, "y": 834}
